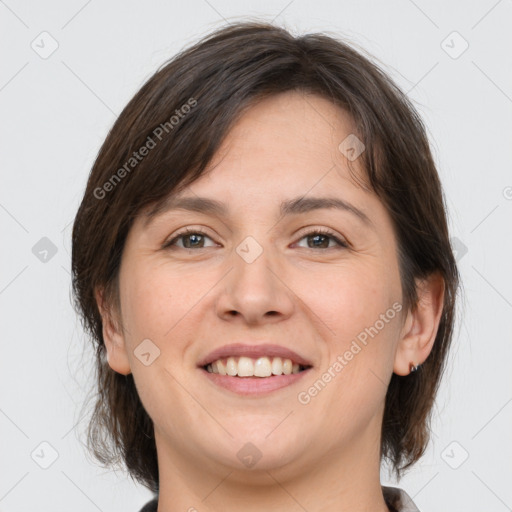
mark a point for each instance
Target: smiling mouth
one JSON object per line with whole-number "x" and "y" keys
{"x": 254, "y": 367}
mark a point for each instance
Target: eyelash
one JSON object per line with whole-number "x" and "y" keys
{"x": 324, "y": 232}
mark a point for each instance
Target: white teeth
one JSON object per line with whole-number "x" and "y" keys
{"x": 221, "y": 368}
{"x": 248, "y": 367}
{"x": 277, "y": 366}
{"x": 231, "y": 366}
{"x": 245, "y": 367}
{"x": 262, "y": 367}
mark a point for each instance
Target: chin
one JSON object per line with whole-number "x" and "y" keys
{"x": 262, "y": 450}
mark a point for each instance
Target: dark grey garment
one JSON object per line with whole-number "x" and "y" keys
{"x": 150, "y": 506}
{"x": 397, "y": 499}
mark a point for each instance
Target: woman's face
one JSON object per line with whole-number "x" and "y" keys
{"x": 251, "y": 274}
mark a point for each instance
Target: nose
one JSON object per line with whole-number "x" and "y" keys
{"x": 255, "y": 291}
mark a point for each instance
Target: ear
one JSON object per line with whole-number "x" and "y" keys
{"x": 420, "y": 327}
{"x": 112, "y": 336}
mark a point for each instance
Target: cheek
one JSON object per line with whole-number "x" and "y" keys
{"x": 359, "y": 345}
{"x": 155, "y": 298}
{"x": 155, "y": 304}
{"x": 347, "y": 300}
{"x": 360, "y": 326}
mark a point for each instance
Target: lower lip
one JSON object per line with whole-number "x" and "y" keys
{"x": 254, "y": 385}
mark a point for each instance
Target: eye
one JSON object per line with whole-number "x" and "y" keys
{"x": 320, "y": 239}
{"x": 192, "y": 239}
{"x": 195, "y": 239}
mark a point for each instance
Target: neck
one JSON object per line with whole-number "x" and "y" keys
{"x": 340, "y": 481}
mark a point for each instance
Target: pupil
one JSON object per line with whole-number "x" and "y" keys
{"x": 316, "y": 237}
{"x": 191, "y": 237}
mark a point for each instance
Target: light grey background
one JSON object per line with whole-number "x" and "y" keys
{"x": 55, "y": 113}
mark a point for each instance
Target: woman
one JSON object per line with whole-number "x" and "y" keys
{"x": 263, "y": 262}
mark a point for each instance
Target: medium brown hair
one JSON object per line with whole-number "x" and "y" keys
{"x": 219, "y": 78}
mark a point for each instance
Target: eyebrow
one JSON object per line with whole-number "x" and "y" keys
{"x": 295, "y": 206}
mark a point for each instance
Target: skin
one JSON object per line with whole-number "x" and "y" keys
{"x": 315, "y": 299}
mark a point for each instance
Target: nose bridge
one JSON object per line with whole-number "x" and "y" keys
{"x": 254, "y": 289}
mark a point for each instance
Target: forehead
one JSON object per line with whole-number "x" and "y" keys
{"x": 294, "y": 139}
{"x": 295, "y": 119}
{"x": 282, "y": 148}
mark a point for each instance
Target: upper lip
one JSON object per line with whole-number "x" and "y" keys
{"x": 253, "y": 351}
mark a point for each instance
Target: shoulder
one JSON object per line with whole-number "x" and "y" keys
{"x": 398, "y": 499}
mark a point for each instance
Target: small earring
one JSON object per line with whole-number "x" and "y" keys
{"x": 413, "y": 368}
